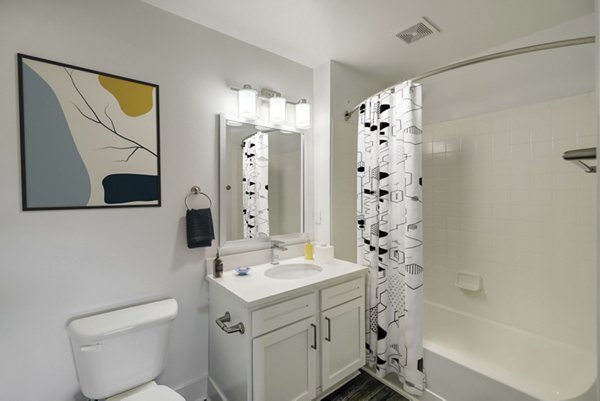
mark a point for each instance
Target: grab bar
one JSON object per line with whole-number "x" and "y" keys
{"x": 221, "y": 322}
{"x": 576, "y": 156}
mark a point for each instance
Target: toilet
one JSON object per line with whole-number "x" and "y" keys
{"x": 118, "y": 354}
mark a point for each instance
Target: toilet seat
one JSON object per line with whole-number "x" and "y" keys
{"x": 149, "y": 392}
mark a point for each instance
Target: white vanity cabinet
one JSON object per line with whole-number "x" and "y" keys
{"x": 342, "y": 331}
{"x": 294, "y": 347}
{"x": 284, "y": 363}
{"x": 285, "y": 350}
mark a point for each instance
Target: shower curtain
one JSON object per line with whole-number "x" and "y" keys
{"x": 255, "y": 185}
{"x": 390, "y": 231}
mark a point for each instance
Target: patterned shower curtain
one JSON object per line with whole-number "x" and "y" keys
{"x": 255, "y": 185}
{"x": 390, "y": 231}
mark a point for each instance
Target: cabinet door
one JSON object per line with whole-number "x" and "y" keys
{"x": 284, "y": 363}
{"x": 342, "y": 341}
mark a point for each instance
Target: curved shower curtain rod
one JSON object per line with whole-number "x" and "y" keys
{"x": 494, "y": 56}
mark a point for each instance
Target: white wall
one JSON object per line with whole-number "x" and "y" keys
{"x": 515, "y": 81}
{"x": 348, "y": 88}
{"x": 55, "y": 265}
{"x": 501, "y": 202}
{"x": 319, "y": 178}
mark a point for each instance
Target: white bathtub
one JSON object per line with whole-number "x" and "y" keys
{"x": 472, "y": 359}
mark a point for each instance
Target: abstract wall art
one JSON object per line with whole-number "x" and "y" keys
{"x": 88, "y": 139}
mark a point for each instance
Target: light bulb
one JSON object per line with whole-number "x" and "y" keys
{"x": 277, "y": 109}
{"x": 302, "y": 114}
{"x": 247, "y": 102}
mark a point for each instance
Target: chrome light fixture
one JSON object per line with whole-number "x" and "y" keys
{"x": 247, "y": 102}
{"x": 302, "y": 114}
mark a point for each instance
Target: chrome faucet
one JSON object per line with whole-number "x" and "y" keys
{"x": 275, "y": 247}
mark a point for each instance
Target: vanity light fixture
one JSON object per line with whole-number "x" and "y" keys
{"x": 277, "y": 105}
{"x": 247, "y": 102}
{"x": 248, "y": 106}
{"x": 302, "y": 114}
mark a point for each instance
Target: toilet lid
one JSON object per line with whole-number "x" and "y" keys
{"x": 155, "y": 393}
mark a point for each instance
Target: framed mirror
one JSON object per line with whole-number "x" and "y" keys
{"x": 261, "y": 182}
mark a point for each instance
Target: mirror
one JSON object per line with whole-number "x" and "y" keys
{"x": 260, "y": 181}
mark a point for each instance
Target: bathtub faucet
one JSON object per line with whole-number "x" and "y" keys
{"x": 276, "y": 246}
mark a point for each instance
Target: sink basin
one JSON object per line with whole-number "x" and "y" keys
{"x": 293, "y": 271}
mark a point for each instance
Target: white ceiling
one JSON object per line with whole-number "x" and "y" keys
{"x": 361, "y": 33}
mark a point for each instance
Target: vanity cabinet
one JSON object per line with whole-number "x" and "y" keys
{"x": 284, "y": 363}
{"x": 342, "y": 331}
{"x": 342, "y": 341}
{"x": 293, "y": 348}
{"x": 284, "y": 350}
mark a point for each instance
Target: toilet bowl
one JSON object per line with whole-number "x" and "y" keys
{"x": 118, "y": 354}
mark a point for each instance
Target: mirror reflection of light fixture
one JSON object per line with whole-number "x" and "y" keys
{"x": 277, "y": 109}
{"x": 302, "y": 114}
{"x": 249, "y": 107}
{"x": 247, "y": 102}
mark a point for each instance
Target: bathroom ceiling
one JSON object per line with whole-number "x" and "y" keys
{"x": 361, "y": 34}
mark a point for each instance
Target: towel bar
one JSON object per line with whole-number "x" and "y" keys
{"x": 196, "y": 191}
{"x": 576, "y": 156}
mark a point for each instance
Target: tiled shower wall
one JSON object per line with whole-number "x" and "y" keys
{"x": 500, "y": 201}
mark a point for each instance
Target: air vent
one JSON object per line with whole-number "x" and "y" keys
{"x": 418, "y": 31}
{"x": 414, "y": 33}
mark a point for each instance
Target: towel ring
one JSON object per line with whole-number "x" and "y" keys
{"x": 196, "y": 191}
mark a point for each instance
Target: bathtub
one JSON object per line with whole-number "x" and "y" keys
{"x": 471, "y": 359}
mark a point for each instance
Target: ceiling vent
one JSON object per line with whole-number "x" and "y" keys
{"x": 418, "y": 31}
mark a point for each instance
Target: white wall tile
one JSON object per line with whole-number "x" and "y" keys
{"x": 585, "y": 122}
{"x": 541, "y": 150}
{"x": 506, "y": 205}
{"x": 541, "y": 122}
{"x": 520, "y": 127}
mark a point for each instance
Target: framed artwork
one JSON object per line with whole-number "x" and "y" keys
{"x": 88, "y": 139}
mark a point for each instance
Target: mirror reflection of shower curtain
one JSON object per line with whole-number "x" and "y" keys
{"x": 255, "y": 186}
{"x": 390, "y": 231}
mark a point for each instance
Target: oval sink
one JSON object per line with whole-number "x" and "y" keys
{"x": 293, "y": 271}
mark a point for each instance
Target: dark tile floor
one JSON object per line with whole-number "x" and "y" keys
{"x": 364, "y": 388}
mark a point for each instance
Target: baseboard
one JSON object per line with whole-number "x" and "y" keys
{"x": 395, "y": 385}
{"x": 214, "y": 393}
{"x": 194, "y": 390}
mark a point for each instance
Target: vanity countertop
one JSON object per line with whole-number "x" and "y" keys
{"x": 256, "y": 288}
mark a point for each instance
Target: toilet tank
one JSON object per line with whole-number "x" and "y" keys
{"x": 118, "y": 350}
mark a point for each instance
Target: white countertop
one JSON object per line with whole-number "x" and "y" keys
{"x": 256, "y": 288}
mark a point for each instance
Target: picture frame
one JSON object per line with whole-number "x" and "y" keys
{"x": 89, "y": 139}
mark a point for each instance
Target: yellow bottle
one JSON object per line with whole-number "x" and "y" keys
{"x": 308, "y": 250}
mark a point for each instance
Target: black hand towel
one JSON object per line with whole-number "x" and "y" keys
{"x": 199, "y": 228}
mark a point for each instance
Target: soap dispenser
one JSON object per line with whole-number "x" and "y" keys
{"x": 218, "y": 266}
{"x": 308, "y": 250}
